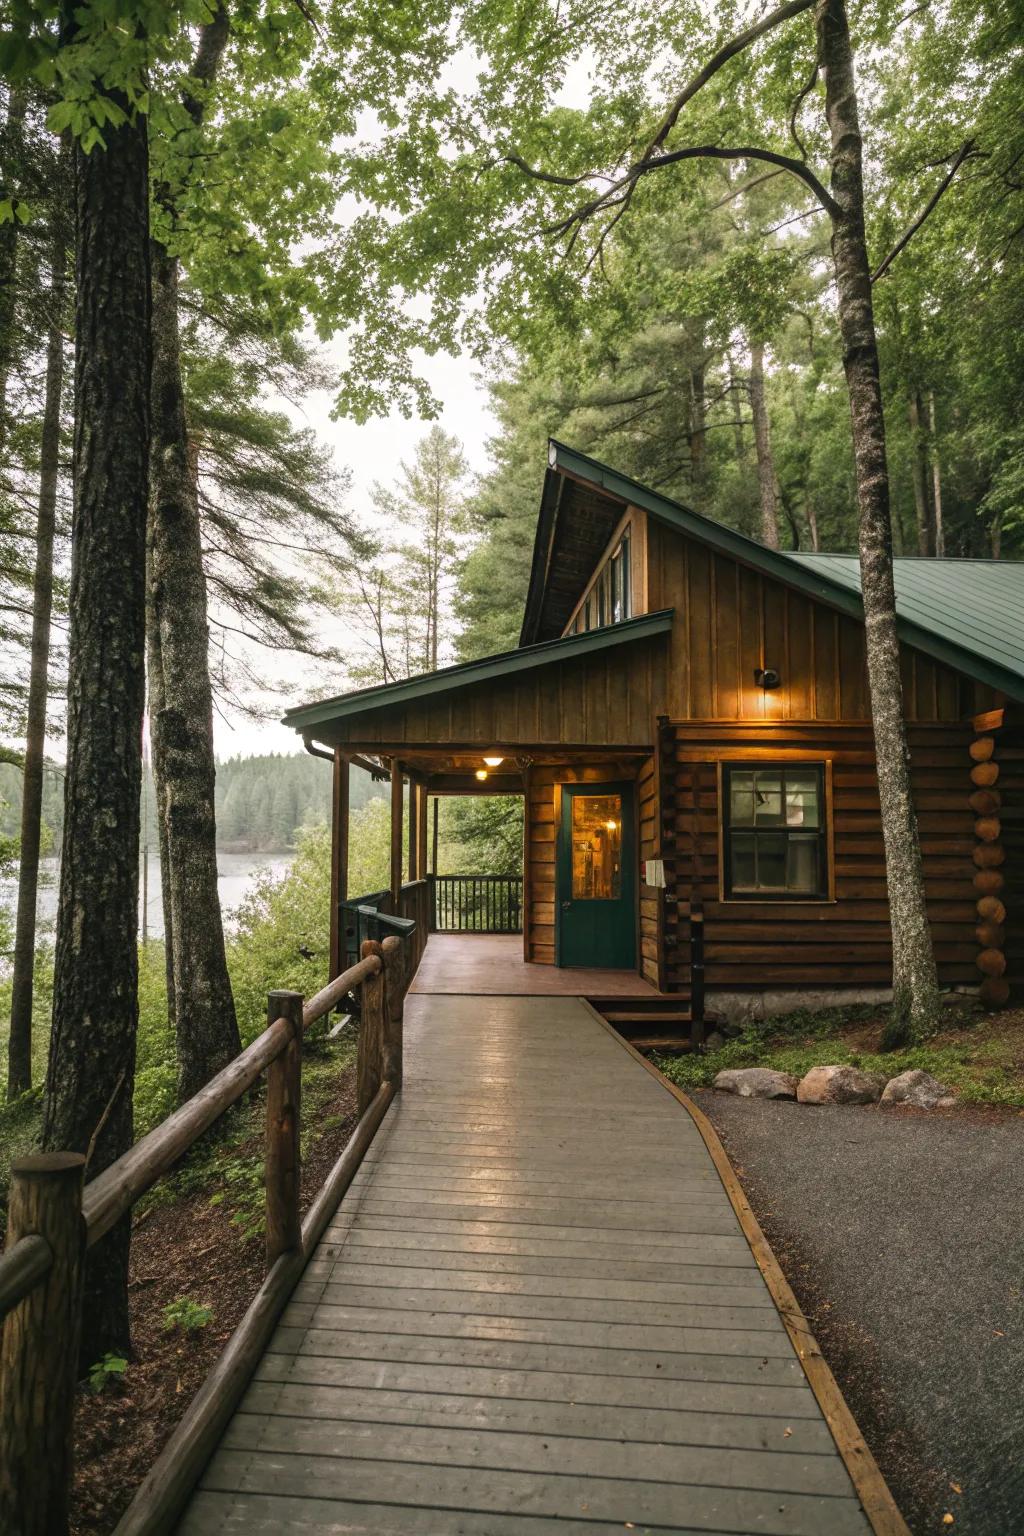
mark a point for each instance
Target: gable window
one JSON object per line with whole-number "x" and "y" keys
{"x": 775, "y": 834}
{"x": 621, "y": 584}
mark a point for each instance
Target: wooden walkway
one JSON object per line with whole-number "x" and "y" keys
{"x": 535, "y": 1312}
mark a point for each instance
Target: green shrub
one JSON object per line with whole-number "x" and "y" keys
{"x": 110, "y": 1370}
{"x": 186, "y": 1315}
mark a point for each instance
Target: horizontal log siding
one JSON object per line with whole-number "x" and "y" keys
{"x": 779, "y": 944}
{"x": 1010, "y": 785}
{"x": 731, "y": 619}
{"x": 649, "y": 844}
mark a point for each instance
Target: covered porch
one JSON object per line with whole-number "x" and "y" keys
{"x": 492, "y": 965}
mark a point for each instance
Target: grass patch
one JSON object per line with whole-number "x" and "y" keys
{"x": 980, "y": 1059}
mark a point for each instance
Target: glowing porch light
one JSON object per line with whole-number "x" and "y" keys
{"x": 481, "y": 773}
{"x": 494, "y": 762}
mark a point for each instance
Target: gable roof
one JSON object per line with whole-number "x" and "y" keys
{"x": 527, "y": 658}
{"x": 968, "y": 614}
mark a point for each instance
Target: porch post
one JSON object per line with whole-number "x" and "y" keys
{"x": 421, "y": 847}
{"x": 414, "y": 838}
{"x": 396, "y": 833}
{"x": 339, "y": 858}
{"x": 433, "y": 860}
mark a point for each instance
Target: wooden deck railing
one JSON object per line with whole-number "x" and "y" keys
{"x": 477, "y": 903}
{"x": 53, "y": 1220}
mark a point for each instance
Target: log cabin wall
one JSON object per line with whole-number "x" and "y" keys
{"x": 1009, "y": 790}
{"x": 730, "y": 619}
{"x": 841, "y": 942}
{"x": 651, "y": 953}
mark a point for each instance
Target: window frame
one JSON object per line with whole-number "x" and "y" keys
{"x": 823, "y": 768}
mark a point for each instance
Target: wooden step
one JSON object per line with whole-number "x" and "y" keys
{"x": 660, "y": 1043}
{"x": 669, "y": 1016}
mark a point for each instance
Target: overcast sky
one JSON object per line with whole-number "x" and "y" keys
{"x": 371, "y": 452}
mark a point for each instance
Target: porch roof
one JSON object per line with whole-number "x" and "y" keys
{"x": 309, "y": 718}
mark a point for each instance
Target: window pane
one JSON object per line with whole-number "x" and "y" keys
{"x": 741, "y": 799}
{"x": 743, "y": 874}
{"x": 602, "y": 612}
{"x": 617, "y": 585}
{"x": 596, "y": 847}
{"x": 802, "y": 798}
{"x": 768, "y": 798}
{"x": 627, "y": 589}
{"x": 771, "y": 861}
{"x": 802, "y": 866}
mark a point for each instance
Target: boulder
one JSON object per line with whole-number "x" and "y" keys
{"x": 840, "y": 1085}
{"x": 918, "y": 1088}
{"x": 757, "y": 1083}
{"x": 714, "y": 1041}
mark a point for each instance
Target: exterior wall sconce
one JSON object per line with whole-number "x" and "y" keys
{"x": 481, "y": 773}
{"x": 494, "y": 762}
{"x": 766, "y": 677}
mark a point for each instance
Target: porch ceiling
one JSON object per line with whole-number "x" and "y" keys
{"x": 445, "y": 771}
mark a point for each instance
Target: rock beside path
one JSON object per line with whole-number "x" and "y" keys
{"x": 757, "y": 1083}
{"x": 840, "y": 1085}
{"x": 918, "y": 1088}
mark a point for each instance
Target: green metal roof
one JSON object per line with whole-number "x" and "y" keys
{"x": 307, "y": 717}
{"x": 975, "y": 605}
{"x": 966, "y": 613}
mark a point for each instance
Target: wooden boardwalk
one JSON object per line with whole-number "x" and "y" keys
{"x": 535, "y": 1312}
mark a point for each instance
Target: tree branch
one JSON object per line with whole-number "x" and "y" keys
{"x": 962, "y": 154}
{"x": 728, "y": 51}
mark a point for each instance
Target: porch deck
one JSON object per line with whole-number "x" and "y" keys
{"x": 535, "y": 1311}
{"x": 492, "y": 965}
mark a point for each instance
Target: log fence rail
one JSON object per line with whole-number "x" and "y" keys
{"x": 53, "y": 1220}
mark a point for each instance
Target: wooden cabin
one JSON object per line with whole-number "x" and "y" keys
{"x": 687, "y": 719}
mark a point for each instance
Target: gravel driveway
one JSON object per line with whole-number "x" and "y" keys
{"x": 902, "y": 1234}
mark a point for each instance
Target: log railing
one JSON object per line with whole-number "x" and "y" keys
{"x": 478, "y": 904}
{"x": 696, "y": 970}
{"x": 53, "y": 1220}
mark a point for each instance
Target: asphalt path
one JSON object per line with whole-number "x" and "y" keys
{"x": 902, "y": 1233}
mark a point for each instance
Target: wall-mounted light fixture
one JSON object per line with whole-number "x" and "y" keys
{"x": 766, "y": 677}
{"x": 494, "y": 762}
{"x": 481, "y": 773}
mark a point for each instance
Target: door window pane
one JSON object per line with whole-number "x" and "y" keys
{"x": 596, "y": 847}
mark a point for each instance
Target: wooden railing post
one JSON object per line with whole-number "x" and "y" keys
{"x": 394, "y": 1009}
{"x": 39, "y": 1352}
{"x": 284, "y": 1120}
{"x": 370, "y": 1057}
{"x": 696, "y": 970}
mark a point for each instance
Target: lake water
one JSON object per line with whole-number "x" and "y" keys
{"x": 235, "y": 875}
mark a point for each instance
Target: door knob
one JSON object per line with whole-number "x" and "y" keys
{"x": 566, "y": 905}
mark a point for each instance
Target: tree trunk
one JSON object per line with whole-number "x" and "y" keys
{"x": 995, "y": 536}
{"x": 763, "y": 445}
{"x": 205, "y": 1027}
{"x": 90, "y": 1079}
{"x": 811, "y": 514}
{"x": 8, "y": 262}
{"x": 736, "y": 396}
{"x": 698, "y": 431}
{"x": 919, "y": 465}
{"x": 940, "y": 537}
{"x": 19, "y": 1049}
{"x": 155, "y": 677}
{"x": 915, "y": 981}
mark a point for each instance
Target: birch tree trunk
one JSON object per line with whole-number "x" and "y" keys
{"x": 90, "y": 1078}
{"x": 763, "y": 445}
{"x": 940, "y": 537}
{"x": 19, "y": 1048}
{"x": 919, "y": 469}
{"x": 206, "y": 1030}
{"x": 915, "y": 981}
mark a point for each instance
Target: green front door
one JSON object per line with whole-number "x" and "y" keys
{"x": 595, "y": 908}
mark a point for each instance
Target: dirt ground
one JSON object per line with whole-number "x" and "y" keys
{"x": 186, "y": 1249}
